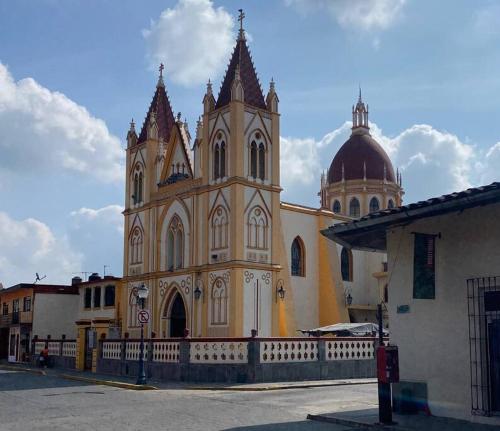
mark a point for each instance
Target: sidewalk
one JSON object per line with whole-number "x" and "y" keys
{"x": 129, "y": 382}
{"x": 368, "y": 418}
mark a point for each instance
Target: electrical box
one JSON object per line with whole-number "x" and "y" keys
{"x": 387, "y": 364}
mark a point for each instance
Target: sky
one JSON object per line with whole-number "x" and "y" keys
{"x": 73, "y": 73}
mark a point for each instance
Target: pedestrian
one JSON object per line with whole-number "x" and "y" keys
{"x": 44, "y": 357}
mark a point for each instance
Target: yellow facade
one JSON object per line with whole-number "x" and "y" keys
{"x": 210, "y": 237}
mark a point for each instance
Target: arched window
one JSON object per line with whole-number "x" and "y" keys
{"x": 257, "y": 228}
{"x": 354, "y": 208}
{"x": 262, "y": 161}
{"x": 222, "y": 159}
{"x": 218, "y": 298}
{"x": 136, "y": 246}
{"x": 298, "y": 257}
{"x": 253, "y": 160}
{"x": 219, "y": 228}
{"x": 140, "y": 188}
{"x": 216, "y": 162}
{"x": 390, "y": 204}
{"x": 337, "y": 208}
{"x": 135, "y": 194}
{"x": 374, "y": 205}
{"x": 346, "y": 264}
{"x": 175, "y": 244}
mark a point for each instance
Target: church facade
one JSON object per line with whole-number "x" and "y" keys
{"x": 207, "y": 232}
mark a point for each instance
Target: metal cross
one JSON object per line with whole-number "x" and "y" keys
{"x": 240, "y": 18}
{"x": 161, "y": 69}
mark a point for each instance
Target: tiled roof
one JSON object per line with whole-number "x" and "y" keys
{"x": 251, "y": 86}
{"x": 164, "y": 116}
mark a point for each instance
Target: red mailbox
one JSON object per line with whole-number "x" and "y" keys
{"x": 387, "y": 364}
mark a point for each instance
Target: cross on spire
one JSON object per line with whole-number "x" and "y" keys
{"x": 161, "y": 69}
{"x": 240, "y": 18}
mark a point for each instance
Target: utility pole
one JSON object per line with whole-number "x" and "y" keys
{"x": 384, "y": 389}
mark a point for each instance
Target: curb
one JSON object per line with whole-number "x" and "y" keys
{"x": 23, "y": 369}
{"x": 353, "y": 423}
{"x": 121, "y": 385}
{"x": 273, "y": 388}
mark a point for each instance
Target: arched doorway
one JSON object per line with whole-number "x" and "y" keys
{"x": 177, "y": 317}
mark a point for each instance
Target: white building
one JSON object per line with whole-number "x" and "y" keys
{"x": 444, "y": 301}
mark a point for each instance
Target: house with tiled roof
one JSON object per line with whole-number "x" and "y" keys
{"x": 444, "y": 298}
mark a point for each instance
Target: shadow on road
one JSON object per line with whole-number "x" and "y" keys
{"x": 19, "y": 381}
{"x": 294, "y": 426}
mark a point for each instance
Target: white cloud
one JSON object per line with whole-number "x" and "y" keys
{"x": 98, "y": 234}
{"x": 355, "y": 14}
{"x": 193, "y": 39}
{"x": 432, "y": 162}
{"x": 111, "y": 215}
{"x": 29, "y": 246}
{"x": 45, "y": 131}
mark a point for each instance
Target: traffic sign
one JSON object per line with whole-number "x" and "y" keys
{"x": 143, "y": 316}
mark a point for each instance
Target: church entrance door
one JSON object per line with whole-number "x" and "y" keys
{"x": 177, "y": 317}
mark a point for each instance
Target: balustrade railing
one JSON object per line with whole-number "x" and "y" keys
{"x": 218, "y": 351}
{"x": 288, "y": 350}
{"x": 166, "y": 351}
{"x": 65, "y": 348}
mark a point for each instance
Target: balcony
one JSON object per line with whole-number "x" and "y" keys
{"x": 16, "y": 318}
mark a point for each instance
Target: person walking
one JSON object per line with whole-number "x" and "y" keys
{"x": 44, "y": 357}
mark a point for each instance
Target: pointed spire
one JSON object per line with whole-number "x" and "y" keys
{"x": 159, "y": 112}
{"x": 272, "y": 98}
{"x": 251, "y": 86}
{"x": 360, "y": 114}
{"x": 132, "y": 126}
{"x": 209, "y": 87}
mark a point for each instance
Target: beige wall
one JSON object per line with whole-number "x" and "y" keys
{"x": 54, "y": 315}
{"x": 433, "y": 338}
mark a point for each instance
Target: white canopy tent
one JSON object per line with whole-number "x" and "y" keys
{"x": 349, "y": 329}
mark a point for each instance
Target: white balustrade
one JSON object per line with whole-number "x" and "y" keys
{"x": 288, "y": 351}
{"x": 166, "y": 351}
{"x": 54, "y": 347}
{"x": 218, "y": 352}
{"x": 111, "y": 349}
{"x": 341, "y": 350}
{"x": 132, "y": 350}
{"x": 69, "y": 349}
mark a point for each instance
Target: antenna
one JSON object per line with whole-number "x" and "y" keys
{"x": 38, "y": 278}
{"x": 104, "y": 272}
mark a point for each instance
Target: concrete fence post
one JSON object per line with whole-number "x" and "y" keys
{"x": 61, "y": 348}
{"x": 321, "y": 349}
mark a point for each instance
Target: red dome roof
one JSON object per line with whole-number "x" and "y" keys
{"x": 359, "y": 149}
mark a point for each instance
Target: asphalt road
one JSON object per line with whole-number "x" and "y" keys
{"x": 33, "y": 402}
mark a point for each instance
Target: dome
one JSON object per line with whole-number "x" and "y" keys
{"x": 359, "y": 149}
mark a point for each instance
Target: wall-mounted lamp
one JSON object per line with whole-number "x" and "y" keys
{"x": 280, "y": 292}
{"x": 197, "y": 293}
{"x": 348, "y": 299}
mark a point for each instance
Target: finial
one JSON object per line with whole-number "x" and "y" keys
{"x": 271, "y": 84}
{"x": 179, "y": 117}
{"x": 160, "y": 78}
{"x": 343, "y": 172}
{"x": 241, "y": 16}
{"x": 364, "y": 170}
{"x": 132, "y": 126}
{"x": 209, "y": 86}
{"x": 359, "y": 98}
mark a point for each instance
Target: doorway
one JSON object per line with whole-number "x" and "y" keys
{"x": 89, "y": 346}
{"x": 177, "y": 317}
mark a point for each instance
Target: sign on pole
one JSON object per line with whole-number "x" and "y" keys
{"x": 143, "y": 316}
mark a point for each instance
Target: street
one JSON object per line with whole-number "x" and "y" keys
{"x": 34, "y": 402}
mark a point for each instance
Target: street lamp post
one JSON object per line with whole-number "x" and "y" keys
{"x": 141, "y": 296}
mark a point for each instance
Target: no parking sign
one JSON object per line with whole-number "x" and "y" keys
{"x": 143, "y": 316}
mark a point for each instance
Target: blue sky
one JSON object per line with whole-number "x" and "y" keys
{"x": 73, "y": 74}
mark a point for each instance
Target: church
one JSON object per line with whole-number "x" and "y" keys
{"x": 206, "y": 231}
